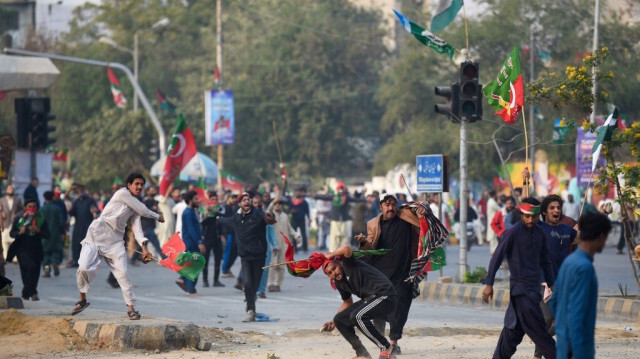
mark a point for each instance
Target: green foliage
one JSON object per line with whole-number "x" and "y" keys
{"x": 476, "y": 276}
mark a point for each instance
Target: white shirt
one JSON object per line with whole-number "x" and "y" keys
{"x": 571, "y": 210}
{"x": 122, "y": 207}
{"x": 177, "y": 210}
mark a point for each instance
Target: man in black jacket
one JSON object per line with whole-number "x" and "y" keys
{"x": 250, "y": 227}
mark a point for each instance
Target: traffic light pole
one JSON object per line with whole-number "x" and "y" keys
{"x": 115, "y": 65}
{"x": 464, "y": 200}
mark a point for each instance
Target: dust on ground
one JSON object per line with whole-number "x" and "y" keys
{"x": 22, "y": 336}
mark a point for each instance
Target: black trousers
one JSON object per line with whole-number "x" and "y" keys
{"x": 397, "y": 318}
{"x": 529, "y": 321}
{"x": 251, "y": 275}
{"x": 212, "y": 244}
{"x": 360, "y": 314}
{"x": 30, "y": 273}
{"x": 303, "y": 233}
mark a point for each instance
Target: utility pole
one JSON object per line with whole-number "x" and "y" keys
{"x": 464, "y": 200}
{"x": 219, "y": 65}
{"x": 135, "y": 70}
{"x": 532, "y": 122}
{"x": 594, "y": 89}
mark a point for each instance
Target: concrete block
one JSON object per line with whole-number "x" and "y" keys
{"x": 445, "y": 280}
{"x": 11, "y": 302}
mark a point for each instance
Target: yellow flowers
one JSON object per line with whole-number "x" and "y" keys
{"x": 562, "y": 123}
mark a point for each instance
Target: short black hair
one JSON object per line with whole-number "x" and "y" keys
{"x": 188, "y": 197}
{"x": 29, "y": 200}
{"x": 547, "y": 201}
{"x": 510, "y": 198}
{"x": 133, "y": 176}
{"x": 48, "y": 195}
{"x": 593, "y": 225}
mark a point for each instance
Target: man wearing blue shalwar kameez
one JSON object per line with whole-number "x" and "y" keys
{"x": 524, "y": 246}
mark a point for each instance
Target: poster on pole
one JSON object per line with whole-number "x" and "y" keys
{"x": 584, "y": 145}
{"x": 219, "y": 117}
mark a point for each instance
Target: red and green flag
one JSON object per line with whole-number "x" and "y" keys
{"x": 231, "y": 182}
{"x": 187, "y": 264}
{"x": 181, "y": 150}
{"x": 506, "y": 93}
{"x": 164, "y": 103}
{"x": 116, "y": 90}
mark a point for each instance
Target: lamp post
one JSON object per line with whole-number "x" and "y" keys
{"x": 108, "y": 41}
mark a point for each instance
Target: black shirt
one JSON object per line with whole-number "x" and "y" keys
{"x": 362, "y": 280}
{"x": 396, "y": 235}
{"x": 145, "y": 222}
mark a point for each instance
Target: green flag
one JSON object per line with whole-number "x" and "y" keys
{"x": 604, "y": 135}
{"x": 195, "y": 264}
{"x": 425, "y": 36}
{"x": 445, "y": 13}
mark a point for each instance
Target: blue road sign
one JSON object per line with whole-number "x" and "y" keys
{"x": 430, "y": 173}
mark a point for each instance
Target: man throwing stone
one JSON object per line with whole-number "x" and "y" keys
{"x": 377, "y": 299}
{"x": 104, "y": 241}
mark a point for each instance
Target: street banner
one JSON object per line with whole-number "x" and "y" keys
{"x": 219, "y": 117}
{"x": 584, "y": 157}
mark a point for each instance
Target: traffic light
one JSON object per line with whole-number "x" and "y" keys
{"x": 452, "y": 107}
{"x": 23, "y": 115}
{"x": 33, "y": 122}
{"x": 470, "y": 92}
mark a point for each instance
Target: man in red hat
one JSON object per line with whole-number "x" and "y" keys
{"x": 525, "y": 247}
{"x": 377, "y": 299}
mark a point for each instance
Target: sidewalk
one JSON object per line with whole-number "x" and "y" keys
{"x": 609, "y": 306}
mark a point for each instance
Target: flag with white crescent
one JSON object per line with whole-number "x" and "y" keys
{"x": 506, "y": 92}
{"x": 181, "y": 150}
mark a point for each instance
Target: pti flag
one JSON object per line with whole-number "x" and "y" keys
{"x": 116, "y": 90}
{"x": 506, "y": 93}
{"x": 187, "y": 264}
{"x": 181, "y": 150}
{"x": 445, "y": 13}
{"x": 425, "y": 36}
{"x": 604, "y": 135}
{"x": 164, "y": 103}
{"x": 230, "y": 181}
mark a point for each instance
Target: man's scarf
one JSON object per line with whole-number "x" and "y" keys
{"x": 431, "y": 254}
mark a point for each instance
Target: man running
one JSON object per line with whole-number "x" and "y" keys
{"x": 104, "y": 241}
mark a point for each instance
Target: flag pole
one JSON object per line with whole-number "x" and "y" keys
{"x": 584, "y": 200}
{"x": 283, "y": 263}
{"x": 526, "y": 149}
{"x": 466, "y": 27}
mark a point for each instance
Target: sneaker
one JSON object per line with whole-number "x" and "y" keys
{"x": 238, "y": 286}
{"x": 271, "y": 288}
{"x": 56, "y": 271}
{"x": 262, "y": 295}
{"x": 218, "y": 284}
{"x": 396, "y": 349}
{"x": 46, "y": 275}
{"x": 227, "y": 275}
{"x": 205, "y": 284}
{"x": 251, "y": 316}
{"x": 386, "y": 355}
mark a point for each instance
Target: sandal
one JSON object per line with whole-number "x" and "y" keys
{"x": 134, "y": 315}
{"x": 79, "y": 307}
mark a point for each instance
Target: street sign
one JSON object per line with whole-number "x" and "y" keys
{"x": 432, "y": 173}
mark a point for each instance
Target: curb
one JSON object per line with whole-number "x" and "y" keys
{"x": 11, "y": 302}
{"x": 141, "y": 336}
{"x": 471, "y": 294}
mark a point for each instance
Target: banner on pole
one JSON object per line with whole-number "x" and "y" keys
{"x": 219, "y": 117}
{"x": 584, "y": 145}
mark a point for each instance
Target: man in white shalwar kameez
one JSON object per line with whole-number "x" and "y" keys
{"x": 104, "y": 241}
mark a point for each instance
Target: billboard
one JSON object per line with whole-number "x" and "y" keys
{"x": 584, "y": 146}
{"x": 219, "y": 117}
